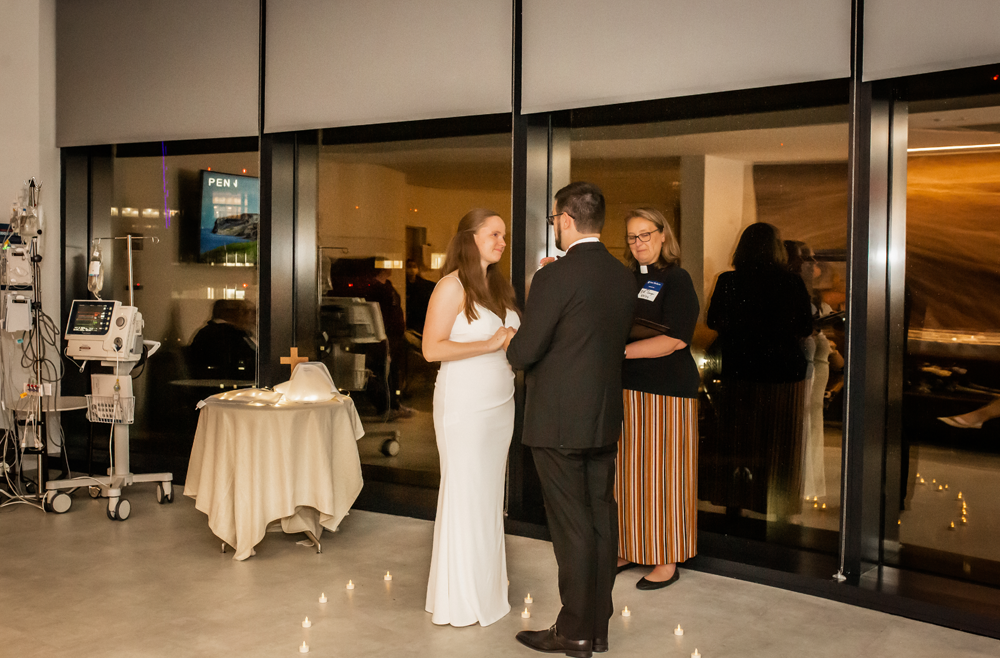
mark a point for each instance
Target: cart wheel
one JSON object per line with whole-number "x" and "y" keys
{"x": 123, "y": 509}
{"x": 390, "y": 447}
{"x": 60, "y": 503}
{"x": 95, "y": 492}
{"x": 164, "y": 493}
{"x": 112, "y": 506}
{"x": 30, "y": 487}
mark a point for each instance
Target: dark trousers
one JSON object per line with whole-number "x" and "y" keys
{"x": 578, "y": 488}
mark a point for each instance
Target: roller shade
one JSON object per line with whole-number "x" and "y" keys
{"x": 345, "y": 62}
{"x": 580, "y": 53}
{"x": 909, "y": 37}
{"x": 146, "y": 70}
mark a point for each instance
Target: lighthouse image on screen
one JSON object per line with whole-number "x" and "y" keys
{"x": 230, "y": 218}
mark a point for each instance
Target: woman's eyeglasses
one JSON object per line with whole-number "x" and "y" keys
{"x": 641, "y": 237}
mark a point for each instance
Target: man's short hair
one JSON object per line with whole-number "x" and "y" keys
{"x": 584, "y": 202}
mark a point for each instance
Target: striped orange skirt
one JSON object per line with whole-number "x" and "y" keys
{"x": 656, "y": 479}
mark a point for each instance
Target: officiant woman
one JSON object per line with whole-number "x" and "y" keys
{"x": 656, "y": 479}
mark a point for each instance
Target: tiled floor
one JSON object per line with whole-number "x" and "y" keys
{"x": 156, "y": 585}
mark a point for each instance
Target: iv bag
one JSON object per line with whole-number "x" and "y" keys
{"x": 95, "y": 271}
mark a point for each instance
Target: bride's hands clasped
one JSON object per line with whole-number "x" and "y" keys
{"x": 501, "y": 339}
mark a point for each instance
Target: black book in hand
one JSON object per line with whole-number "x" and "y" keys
{"x": 643, "y": 329}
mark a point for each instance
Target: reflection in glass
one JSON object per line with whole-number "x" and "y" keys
{"x": 385, "y": 214}
{"x": 198, "y": 297}
{"x": 951, "y": 383}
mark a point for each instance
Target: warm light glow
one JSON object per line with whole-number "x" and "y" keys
{"x": 930, "y": 149}
{"x": 437, "y": 261}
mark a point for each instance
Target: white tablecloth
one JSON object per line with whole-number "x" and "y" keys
{"x": 255, "y": 463}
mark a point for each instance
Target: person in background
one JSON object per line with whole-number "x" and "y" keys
{"x": 761, "y": 311}
{"x": 657, "y": 466}
{"x": 418, "y": 295}
{"x": 391, "y": 306}
{"x": 224, "y": 347}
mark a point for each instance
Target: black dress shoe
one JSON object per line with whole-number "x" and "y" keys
{"x": 626, "y": 566}
{"x": 652, "y": 584}
{"x": 551, "y": 642}
{"x": 600, "y": 645}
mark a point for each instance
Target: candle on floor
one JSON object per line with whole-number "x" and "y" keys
{"x": 963, "y": 520}
{"x": 815, "y": 498}
{"x": 946, "y": 486}
{"x": 960, "y": 495}
{"x": 933, "y": 481}
{"x": 918, "y": 474}
{"x": 678, "y": 630}
{"x": 940, "y": 488}
{"x": 304, "y": 648}
{"x": 306, "y": 623}
{"x": 815, "y": 505}
{"x": 626, "y": 613}
{"x": 350, "y": 584}
{"x": 823, "y": 506}
{"x": 952, "y": 526}
{"x": 921, "y": 480}
{"x": 525, "y": 614}
{"x": 528, "y": 598}
{"x": 387, "y": 576}
{"x": 696, "y": 654}
{"x": 322, "y": 598}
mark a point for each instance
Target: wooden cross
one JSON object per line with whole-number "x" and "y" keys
{"x": 293, "y": 359}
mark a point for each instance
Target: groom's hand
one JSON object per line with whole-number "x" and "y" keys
{"x": 545, "y": 261}
{"x": 510, "y": 334}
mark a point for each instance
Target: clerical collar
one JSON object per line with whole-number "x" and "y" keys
{"x": 644, "y": 269}
{"x": 581, "y": 241}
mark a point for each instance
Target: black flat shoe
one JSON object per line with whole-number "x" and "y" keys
{"x": 550, "y": 641}
{"x": 652, "y": 584}
{"x": 626, "y": 566}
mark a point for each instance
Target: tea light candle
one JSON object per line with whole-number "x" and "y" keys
{"x": 963, "y": 520}
{"x": 921, "y": 481}
{"x": 525, "y": 614}
{"x": 952, "y": 526}
{"x": 678, "y": 630}
{"x": 960, "y": 495}
{"x": 387, "y": 576}
{"x": 528, "y": 598}
{"x": 626, "y": 613}
{"x": 918, "y": 474}
{"x": 350, "y": 584}
{"x": 815, "y": 498}
{"x": 696, "y": 654}
{"x": 304, "y": 648}
{"x": 815, "y": 505}
{"x": 946, "y": 486}
{"x": 823, "y": 506}
{"x": 933, "y": 481}
{"x": 940, "y": 488}
{"x": 306, "y": 623}
{"x": 322, "y": 598}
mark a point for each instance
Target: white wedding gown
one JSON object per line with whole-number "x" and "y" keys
{"x": 474, "y": 422}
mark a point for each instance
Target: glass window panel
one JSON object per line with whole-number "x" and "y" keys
{"x": 385, "y": 215}
{"x": 196, "y": 287}
{"x": 951, "y": 375}
{"x": 769, "y": 402}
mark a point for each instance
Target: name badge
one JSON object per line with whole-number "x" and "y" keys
{"x": 650, "y": 290}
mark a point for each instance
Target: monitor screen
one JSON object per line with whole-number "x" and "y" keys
{"x": 230, "y": 218}
{"x": 90, "y": 318}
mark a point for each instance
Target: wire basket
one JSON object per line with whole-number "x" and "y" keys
{"x": 106, "y": 409}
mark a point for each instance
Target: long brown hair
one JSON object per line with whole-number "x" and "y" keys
{"x": 495, "y": 293}
{"x": 670, "y": 253}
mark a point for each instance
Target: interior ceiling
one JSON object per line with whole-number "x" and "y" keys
{"x": 809, "y": 136}
{"x": 959, "y": 127}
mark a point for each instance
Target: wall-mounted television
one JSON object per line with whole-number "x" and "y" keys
{"x": 230, "y": 219}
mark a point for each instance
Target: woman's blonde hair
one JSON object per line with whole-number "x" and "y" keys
{"x": 670, "y": 253}
{"x": 495, "y": 292}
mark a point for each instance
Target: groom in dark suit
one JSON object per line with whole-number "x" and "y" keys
{"x": 571, "y": 344}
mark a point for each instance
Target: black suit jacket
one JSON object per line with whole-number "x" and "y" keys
{"x": 571, "y": 345}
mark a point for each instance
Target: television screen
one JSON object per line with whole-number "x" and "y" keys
{"x": 230, "y": 218}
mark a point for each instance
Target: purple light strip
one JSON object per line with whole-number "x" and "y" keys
{"x": 166, "y": 192}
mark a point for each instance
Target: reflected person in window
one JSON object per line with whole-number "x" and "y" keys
{"x": 224, "y": 348}
{"x": 656, "y": 470}
{"x": 470, "y": 318}
{"x": 761, "y": 311}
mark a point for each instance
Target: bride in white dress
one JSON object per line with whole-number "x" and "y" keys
{"x": 470, "y": 319}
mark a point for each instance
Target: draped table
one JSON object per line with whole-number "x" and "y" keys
{"x": 254, "y": 462}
